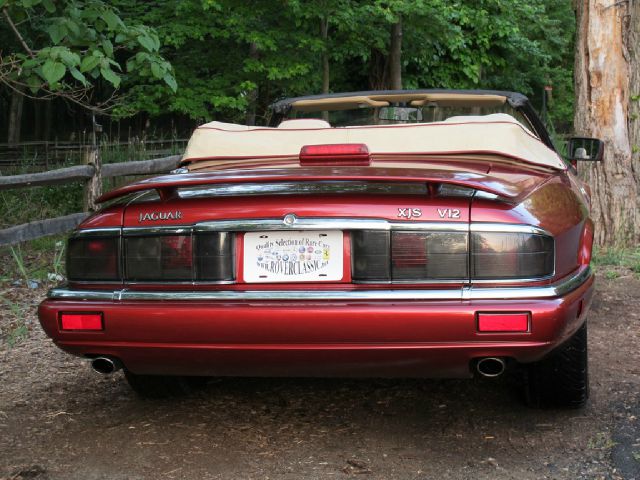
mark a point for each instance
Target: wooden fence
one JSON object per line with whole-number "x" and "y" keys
{"x": 49, "y": 154}
{"x": 92, "y": 173}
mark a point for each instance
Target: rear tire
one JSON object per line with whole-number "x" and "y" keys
{"x": 562, "y": 378}
{"x": 163, "y": 386}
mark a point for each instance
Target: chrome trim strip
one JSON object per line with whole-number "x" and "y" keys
{"x": 261, "y": 224}
{"x": 320, "y": 223}
{"x": 507, "y": 228}
{"x": 96, "y": 232}
{"x": 156, "y": 230}
{"x": 66, "y": 294}
{"x": 466, "y": 293}
{"x": 252, "y": 225}
{"x": 558, "y": 289}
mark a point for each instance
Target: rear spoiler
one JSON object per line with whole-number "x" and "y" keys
{"x": 168, "y": 185}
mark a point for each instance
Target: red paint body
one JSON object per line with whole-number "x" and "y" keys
{"x": 346, "y": 338}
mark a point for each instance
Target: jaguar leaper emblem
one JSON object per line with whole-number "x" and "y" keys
{"x": 154, "y": 216}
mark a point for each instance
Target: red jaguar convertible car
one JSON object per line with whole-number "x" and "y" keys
{"x": 427, "y": 233}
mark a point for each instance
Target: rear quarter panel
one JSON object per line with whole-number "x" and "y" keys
{"x": 557, "y": 206}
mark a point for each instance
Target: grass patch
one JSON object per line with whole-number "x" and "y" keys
{"x": 614, "y": 261}
{"x": 13, "y": 328}
{"x": 41, "y": 260}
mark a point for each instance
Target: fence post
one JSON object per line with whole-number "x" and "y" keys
{"x": 93, "y": 187}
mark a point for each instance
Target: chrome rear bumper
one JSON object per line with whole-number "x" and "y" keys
{"x": 470, "y": 292}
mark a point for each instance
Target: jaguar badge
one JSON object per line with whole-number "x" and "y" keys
{"x": 155, "y": 216}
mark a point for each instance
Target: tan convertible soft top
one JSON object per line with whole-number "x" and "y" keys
{"x": 495, "y": 134}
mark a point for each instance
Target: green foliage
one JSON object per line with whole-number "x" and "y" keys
{"x": 71, "y": 44}
{"x": 232, "y": 57}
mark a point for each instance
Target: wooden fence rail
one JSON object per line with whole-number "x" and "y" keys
{"x": 46, "y": 155}
{"x": 92, "y": 174}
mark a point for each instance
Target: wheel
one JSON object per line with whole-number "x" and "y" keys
{"x": 163, "y": 386}
{"x": 562, "y": 378}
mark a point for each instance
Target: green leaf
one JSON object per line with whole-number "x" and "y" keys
{"x": 146, "y": 42}
{"x": 53, "y": 71}
{"x": 77, "y": 74}
{"x": 107, "y": 46}
{"x": 110, "y": 76}
{"x": 89, "y": 63}
{"x": 71, "y": 59}
{"x": 73, "y": 27}
{"x": 34, "y": 84}
{"x": 171, "y": 81}
{"x": 31, "y": 63}
{"x": 57, "y": 32}
{"x": 156, "y": 71}
{"x": 111, "y": 19}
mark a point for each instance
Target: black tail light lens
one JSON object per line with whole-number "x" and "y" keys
{"x": 429, "y": 255}
{"x": 215, "y": 256}
{"x": 501, "y": 255}
{"x": 370, "y": 256}
{"x": 404, "y": 256}
{"x": 159, "y": 258}
{"x": 93, "y": 259}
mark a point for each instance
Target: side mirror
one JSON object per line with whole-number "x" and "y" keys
{"x": 585, "y": 149}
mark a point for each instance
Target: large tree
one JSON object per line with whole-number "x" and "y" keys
{"x": 607, "y": 74}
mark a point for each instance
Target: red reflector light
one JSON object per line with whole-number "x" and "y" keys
{"x": 335, "y": 154}
{"x": 503, "y": 322}
{"x": 81, "y": 321}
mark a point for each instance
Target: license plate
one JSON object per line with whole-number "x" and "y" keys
{"x": 296, "y": 256}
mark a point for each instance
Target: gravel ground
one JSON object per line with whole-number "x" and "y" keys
{"x": 59, "y": 420}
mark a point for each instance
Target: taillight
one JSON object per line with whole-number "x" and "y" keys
{"x": 408, "y": 256}
{"x": 370, "y": 256}
{"x": 93, "y": 259}
{"x": 502, "y": 255}
{"x": 429, "y": 255}
{"x": 405, "y": 256}
{"x": 159, "y": 258}
{"x": 215, "y": 256}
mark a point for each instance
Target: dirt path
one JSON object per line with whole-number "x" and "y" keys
{"x": 59, "y": 420}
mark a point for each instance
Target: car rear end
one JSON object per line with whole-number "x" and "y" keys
{"x": 442, "y": 249}
{"x": 333, "y": 279}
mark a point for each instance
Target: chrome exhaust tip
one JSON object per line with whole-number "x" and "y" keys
{"x": 105, "y": 365}
{"x": 491, "y": 367}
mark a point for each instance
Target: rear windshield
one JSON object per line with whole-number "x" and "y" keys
{"x": 403, "y": 114}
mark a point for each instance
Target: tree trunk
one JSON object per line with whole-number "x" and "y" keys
{"x": 378, "y": 71}
{"x": 324, "y": 33}
{"x": 607, "y": 89}
{"x": 15, "y": 117}
{"x": 253, "y": 94}
{"x": 93, "y": 187}
{"x": 395, "y": 57}
{"x": 48, "y": 120}
{"x": 38, "y": 119}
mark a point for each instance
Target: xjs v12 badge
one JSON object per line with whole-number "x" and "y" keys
{"x": 409, "y": 213}
{"x": 449, "y": 213}
{"x": 153, "y": 216}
